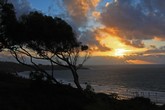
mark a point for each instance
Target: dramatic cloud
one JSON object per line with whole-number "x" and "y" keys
{"x": 79, "y": 10}
{"x": 137, "y": 43}
{"x": 136, "y": 20}
{"x": 90, "y": 38}
{"x": 84, "y": 15}
{"x": 133, "y": 28}
{"x": 21, "y": 6}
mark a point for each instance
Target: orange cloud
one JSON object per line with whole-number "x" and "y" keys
{"x": 79, "y": 9}
{"x": 93, "y": 3}
{"x": 96, "y": 14}
{"x": 138, "y": 62}
{"x": 112, "y": 31}
{"x": 117, "y": 33}
{"x": 110, "y": 43}
{"x": 107, "y": 4}
{"x": 156, "y": 38}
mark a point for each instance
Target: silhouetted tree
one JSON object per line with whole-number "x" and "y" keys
{"x": 42, "y": 37}
{"x": 11, "y": 36}
{"x": 8, "y": 23}
{"x": 53, "y": 40}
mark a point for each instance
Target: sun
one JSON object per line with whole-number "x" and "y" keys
{"x": 120, "y": 52}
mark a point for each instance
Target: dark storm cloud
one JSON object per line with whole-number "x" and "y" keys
{"x": 143, "y": 19}
{"x": 21, "y": 6}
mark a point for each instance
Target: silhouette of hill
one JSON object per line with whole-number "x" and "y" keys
{"x": 15, "y": 67}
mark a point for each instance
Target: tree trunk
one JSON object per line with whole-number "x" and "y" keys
{"x": 76, "y": 78}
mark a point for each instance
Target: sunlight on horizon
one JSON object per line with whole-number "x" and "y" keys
{"x": 139, "y": 62}
{"x": 107, "y": 38}
{"x": 120, "y": 52}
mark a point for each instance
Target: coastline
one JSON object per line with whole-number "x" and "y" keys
{"x": 19, "y": 93}
{"x": 16, "y": 84}
{"x": 123, "y": 93}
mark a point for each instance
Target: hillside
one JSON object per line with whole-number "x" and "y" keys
{"x": 16, "y": 67}
{"x": 23, "y": 94}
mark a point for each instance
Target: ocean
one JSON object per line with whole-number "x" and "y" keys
{"x": 127, "y": 81}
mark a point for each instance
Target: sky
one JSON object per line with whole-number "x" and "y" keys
{"x": 117, "y": 31}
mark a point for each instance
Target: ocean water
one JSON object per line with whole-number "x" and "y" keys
{"x": 126, "y": 80}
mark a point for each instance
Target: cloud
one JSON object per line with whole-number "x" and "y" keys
{"x": 98, "y": 60}
{"x": 89, "y": 38}
{"x": 96, "y": 14}
{"x": 155, "y": 51}
{"x": 82, "y": 15}
{"x": 135, "y": 20}
{"x": 99, "y": 48}
{"x": 137, "y": 43}
{"x": 79, "y": 9}
{"x": 139, "y": 62}
{"x": 149, "y": 59}
{"x": 21, "y": 6}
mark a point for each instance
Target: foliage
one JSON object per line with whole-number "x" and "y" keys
{"x": 114, "y": 95}
{"x": 8, "y": 24}
{"x": 37, "y": 75}
{"x": 17, "y": 94}
{"x": 39, "y": 37}
{"x": 89, "y": 88}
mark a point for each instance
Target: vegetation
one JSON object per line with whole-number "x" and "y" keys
{"x": 39, "y": 37}
{"x": 23, "y": 94}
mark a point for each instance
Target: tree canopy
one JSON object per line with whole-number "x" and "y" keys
{"x": 8, "y": 23}
{"x": 46, "y": 33}
{"x": 39, "y": 36}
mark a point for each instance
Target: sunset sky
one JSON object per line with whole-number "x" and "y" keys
{"x": 117, "y": 31}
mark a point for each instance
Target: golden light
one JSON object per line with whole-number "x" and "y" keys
{"x": 108, "y": 37}
{"x": 120, "y": 52}
{"x": 138, "y": 62}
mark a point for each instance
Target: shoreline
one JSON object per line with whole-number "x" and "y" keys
{"x": 123, "y": 93}
{"x": 20, "y": 93}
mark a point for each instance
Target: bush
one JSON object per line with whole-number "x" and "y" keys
{"x": 37, "y": 75}
{"x": 89, "y": 88}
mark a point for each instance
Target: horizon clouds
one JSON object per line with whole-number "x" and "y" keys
{"x": 109, "y": 25}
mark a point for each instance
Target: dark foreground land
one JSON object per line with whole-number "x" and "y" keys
{"x": 22, "y": 94}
